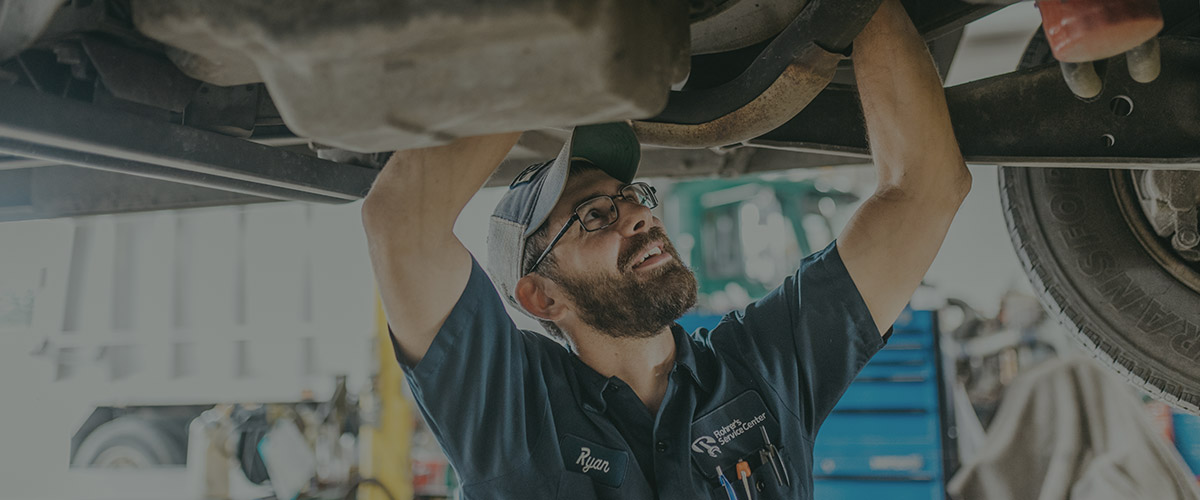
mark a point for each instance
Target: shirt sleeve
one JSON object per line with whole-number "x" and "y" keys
{"x": 479, "y": 385}
{"x": 809, "y": 337}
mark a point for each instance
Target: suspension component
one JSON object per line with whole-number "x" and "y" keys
{"x": 1171, "y": 202}
{"x": 1082, "y": 31}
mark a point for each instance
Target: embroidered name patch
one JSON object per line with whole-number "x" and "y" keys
{"x": 732, "y": 432}
{"x": 604, "y": 465}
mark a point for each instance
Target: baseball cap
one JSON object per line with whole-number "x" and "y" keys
{"x": 613, "y": 147}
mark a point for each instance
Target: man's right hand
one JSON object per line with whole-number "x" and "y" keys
{"x": 420, "y": 266}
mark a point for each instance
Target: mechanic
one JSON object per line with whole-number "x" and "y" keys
{"x": 633, "y": 407}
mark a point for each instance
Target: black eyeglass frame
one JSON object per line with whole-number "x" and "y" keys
{"x": 616, "y": 216}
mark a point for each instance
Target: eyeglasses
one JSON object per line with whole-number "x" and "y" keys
{"x": 600, "y": 212}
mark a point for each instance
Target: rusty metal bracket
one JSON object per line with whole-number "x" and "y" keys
{"x": 787, "y": 96}
{"x": 785, "y": 76}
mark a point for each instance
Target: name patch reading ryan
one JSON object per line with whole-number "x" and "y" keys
{"x": 731, "y": 432}
{"x": 588, "y": 462}
{"x": 604, "y": 465}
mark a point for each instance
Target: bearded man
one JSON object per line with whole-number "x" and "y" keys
{"x": 622, "y": 403}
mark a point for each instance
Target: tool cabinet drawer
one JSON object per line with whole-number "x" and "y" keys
{"x": 868, "y": 395}
{"x": 852, "y": 489}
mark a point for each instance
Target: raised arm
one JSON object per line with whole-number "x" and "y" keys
{"x": 891, "y": 241}
{"x": 420, "y": 266}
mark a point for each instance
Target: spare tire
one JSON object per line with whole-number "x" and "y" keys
{"x": 129, "y": 442}
{"x": 1098, "y": 266}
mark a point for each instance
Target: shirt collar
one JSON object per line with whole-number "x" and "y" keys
{"x": 686, "y": 358}
{"x": 593, "y": 386}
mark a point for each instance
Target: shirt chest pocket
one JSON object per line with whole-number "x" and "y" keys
{"x": 765, "y": 482}
{"x": 742, "y": 431}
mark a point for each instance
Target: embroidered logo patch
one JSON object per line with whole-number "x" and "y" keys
{"x": 604, "y": 465}
{"x": 528, "y": 174}
{"x": 732, "y": 432}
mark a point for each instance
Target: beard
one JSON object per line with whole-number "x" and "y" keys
{"x": 633, "y": 304}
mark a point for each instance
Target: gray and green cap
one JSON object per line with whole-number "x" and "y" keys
{"x": 612, "y": 147}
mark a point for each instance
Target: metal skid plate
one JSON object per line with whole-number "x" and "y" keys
{"x": 380, "y": 75}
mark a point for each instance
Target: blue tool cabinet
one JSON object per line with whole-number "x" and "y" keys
{"x": 1187, "y": 439}
{"x": 887, "y": 436}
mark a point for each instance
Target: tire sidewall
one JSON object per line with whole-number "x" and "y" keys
{"x": 1076, "y": 244}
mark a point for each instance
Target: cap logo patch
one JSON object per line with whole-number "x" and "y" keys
{"x": 528, "y": 174}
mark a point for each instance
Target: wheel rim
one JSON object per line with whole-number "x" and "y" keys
{"x": 1159, "y": 249}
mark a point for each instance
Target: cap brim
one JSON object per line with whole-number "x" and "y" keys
{"x": 613, "y": 147}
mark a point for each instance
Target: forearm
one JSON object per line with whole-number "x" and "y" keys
{"x": 420, "y": 267}
{"x": 422, "y": 191}
{"x": 908, "y": 122}
{"x": 894, "y": 236}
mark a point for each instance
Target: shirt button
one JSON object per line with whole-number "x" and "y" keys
{"x": 661, "y": 446}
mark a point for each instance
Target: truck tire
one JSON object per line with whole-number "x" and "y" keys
{"x": 129, "y": 442}
{"x": 1098, "y": 267}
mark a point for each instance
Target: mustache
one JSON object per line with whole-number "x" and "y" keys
{"x": 637, "y": 243}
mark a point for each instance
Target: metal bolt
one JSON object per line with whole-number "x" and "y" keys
{"x": 1109, "y": 140}
{"x": 1082, "y": 79}
{"x": 1144, "y": 61}
{"x": 1185, "y": 239}
{"x": 73, "y": 56}
{"x": 68, "y": 54}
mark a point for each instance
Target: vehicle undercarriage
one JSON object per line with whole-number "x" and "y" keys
{"x": 131, "y": 105}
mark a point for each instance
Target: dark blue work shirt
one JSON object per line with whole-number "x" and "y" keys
{"x": 521, "y": 417}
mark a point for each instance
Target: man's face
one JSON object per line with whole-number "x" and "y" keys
{"x": 613, "y": 287}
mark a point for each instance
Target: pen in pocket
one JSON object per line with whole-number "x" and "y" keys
{"x": 725, "y": 482}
